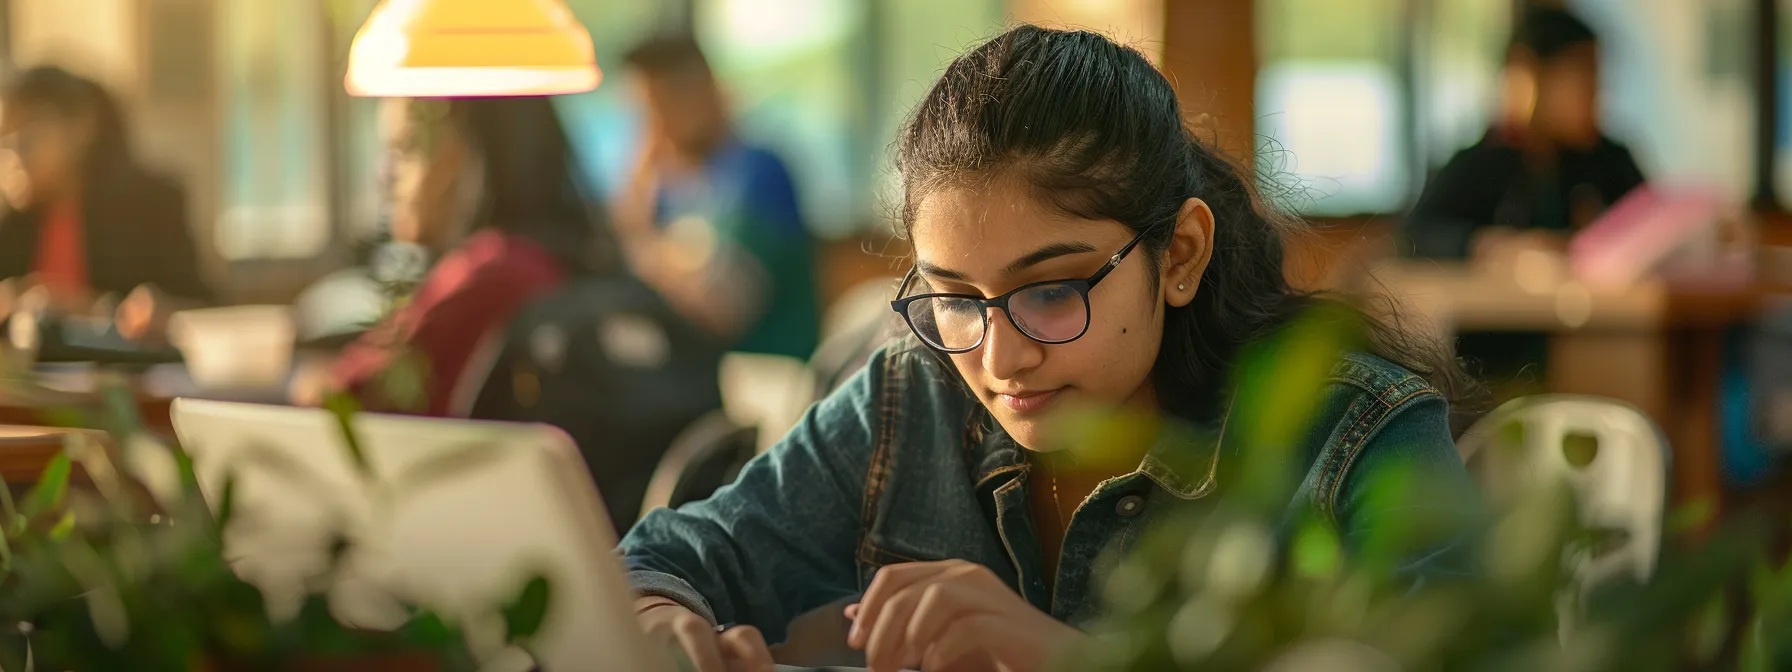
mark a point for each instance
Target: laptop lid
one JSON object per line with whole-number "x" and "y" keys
{"x": 453, "y": 515}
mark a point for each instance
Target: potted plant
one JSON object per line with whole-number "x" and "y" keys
{"x": 105, "y": 578}
{"x": 1233, "y": 585}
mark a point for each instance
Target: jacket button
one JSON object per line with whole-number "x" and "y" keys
{"x": 1130, "y": 506}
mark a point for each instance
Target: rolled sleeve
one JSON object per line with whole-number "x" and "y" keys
{"x": 780, "y": 540}
{"x": 665, "y": 585}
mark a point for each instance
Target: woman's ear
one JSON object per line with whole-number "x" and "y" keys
{"x": 1190, "y": 250}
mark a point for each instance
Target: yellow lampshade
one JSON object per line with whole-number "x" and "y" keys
{"x": 466, "y": 48}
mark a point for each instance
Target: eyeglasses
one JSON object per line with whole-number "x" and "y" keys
{"x": 1050, "y": 312}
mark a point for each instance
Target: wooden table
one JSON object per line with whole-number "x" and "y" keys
{"x": 1655, "y": 344}
{"x": 25, "y": 451}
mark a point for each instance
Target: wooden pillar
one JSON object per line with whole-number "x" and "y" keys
{"x": 1210, "y": 56}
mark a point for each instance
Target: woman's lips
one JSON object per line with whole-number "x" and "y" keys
{"x": 1029, "y": 401}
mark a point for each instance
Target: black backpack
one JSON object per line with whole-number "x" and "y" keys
{"x": 608, "y": 361}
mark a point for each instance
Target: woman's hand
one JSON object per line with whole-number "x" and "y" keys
{"x": 737, "y": 649}
{"x": 143, "y": 315}
{"x": 951, "y": 615}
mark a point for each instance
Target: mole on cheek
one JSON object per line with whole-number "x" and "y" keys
{"x": 1123, "y": 330}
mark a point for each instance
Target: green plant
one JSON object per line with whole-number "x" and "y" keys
{"x": 1234, "y": 585}
{"x": 129, "y": 574}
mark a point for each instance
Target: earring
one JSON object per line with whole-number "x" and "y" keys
{"x": 1180, "y": 286}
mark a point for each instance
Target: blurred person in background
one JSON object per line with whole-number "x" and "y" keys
{"x": 529, "y": 314}
{"x": 486, "y": 186}
{"x": 711, "y": 221}
{"x": 1545, "y": 169}
{"x": 85, "y": 220}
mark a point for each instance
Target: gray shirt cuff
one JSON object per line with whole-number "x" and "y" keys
{"x": 670, "y": 587}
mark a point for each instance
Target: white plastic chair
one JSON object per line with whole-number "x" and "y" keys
{"x": 1612, "y": 456}
{"x": 770, "y": 392}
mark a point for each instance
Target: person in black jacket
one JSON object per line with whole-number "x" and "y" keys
{"x": 1545, "y": 169}
{"x": 1541, "y": 173}
{"x": 84, "y": 220}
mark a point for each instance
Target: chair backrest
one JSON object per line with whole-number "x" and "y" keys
{"x": 1612, "y": 457}
{"x": 769, "y": 392}
{"x": 705, "y": 456}
{"x": 607, "y": 361}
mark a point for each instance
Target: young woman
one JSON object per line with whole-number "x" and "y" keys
{"x": 1074, "y": 244}
{"x": 490, "y": 187}
{"x": 85, "y": 218}
{"x": 512, "y": 322}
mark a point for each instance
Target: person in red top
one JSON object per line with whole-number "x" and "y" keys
{"x": 491, "y": 185}
{"x": 84, "y": 220}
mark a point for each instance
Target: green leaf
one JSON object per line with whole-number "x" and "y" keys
{"x": 344, "y": 407}
{"x": 1710, "y": 626}
{"x": 9, "y": 511}
{"x": 63, "y": 527}
{"x": 51, "y": 488}
{"x": 5, "y": 558}
{"x": 72, "y": 418}
{"x": 1692, "y": 516}
{"x": 226, "y": 502}
{"x": 120, "y": 404}
{"x": 1317, "y": 551}
{"x": 523, "y": 618}
{"x": 428, "y": 630}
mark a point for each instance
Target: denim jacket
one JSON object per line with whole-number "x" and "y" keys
{"x": 903, "y": 464}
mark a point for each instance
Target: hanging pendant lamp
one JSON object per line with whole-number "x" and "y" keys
{"x": 471, "y": 48}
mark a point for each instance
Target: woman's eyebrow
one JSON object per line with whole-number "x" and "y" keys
{"x": 1028, "y": 260}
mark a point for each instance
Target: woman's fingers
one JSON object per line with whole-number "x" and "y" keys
{"x": 885, "y": 646}
{"x": 890, "y": 580}
{"x": 936, "y": 612}
{"x": 698, "y": 639}
{"x": 957, "y": 649}
{"x": 744, "y": 649}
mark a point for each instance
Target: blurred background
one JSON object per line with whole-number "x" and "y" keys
{"x": 1348, "y": 109}
{"x": 1358, "y": 100}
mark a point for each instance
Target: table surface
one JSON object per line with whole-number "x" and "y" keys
{"x": 1449, "y": 297}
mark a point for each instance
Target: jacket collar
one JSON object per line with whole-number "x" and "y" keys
{"x": 1182, "y": 459}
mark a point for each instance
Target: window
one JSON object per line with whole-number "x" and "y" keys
{"x": 827, "y": 83}
{"x": 360, "y": 155}
{"x": 1677, "y": 87}
{"x": 1337, "y": 86}
{"x": 1330, "y": 107}
{"x": 273, "y": 98}
{"x": 791, "y": 68}
{"x": 1456, "y": 69}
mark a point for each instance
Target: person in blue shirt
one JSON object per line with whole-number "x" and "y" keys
{"x": 714, "y": 223}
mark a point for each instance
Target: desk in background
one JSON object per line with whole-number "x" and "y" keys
{"x": 1656, "y": 345}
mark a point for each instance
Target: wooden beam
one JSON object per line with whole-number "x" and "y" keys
{"x": 1210, "y": 56}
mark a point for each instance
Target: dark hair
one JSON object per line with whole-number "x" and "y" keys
{"x": 1547, "y": 32}
{"x": 1097, "y": 132}
{"x": 533, "y": 184}
{"x": 675, "y": 53}
{"x": 71, "y": 95}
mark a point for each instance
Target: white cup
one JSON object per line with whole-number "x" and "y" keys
{"x": 235, "y": 347}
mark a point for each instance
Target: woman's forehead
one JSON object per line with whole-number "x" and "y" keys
{"x": 996, "y": 216}
{"x": 982, "y": 232}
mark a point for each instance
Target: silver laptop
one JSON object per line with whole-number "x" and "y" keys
{"x": 453, "y": 515}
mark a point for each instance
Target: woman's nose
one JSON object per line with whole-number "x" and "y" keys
{"x": 1006, "y": 351}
